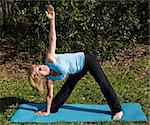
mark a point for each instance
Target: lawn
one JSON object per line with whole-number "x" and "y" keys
{"x": 129, "y": 77}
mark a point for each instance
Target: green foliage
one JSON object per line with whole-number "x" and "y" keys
{"x": 99, "y": 27}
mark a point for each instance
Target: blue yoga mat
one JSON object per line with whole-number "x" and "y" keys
{"x": 77, "y": 113}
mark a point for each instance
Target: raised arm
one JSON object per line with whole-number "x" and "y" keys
{"x": 50, "y": 13}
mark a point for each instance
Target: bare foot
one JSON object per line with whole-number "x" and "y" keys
{"x": 118, "y": 116}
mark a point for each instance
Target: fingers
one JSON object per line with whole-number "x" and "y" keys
{"x": 50, "y": 8}
{"x": 40, "y": 113}
{"x": 46, "y": 13}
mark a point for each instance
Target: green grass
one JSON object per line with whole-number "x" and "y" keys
{"x": 130, "y": 81}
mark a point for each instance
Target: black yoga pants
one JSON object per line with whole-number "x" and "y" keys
{"x": 93, "y": 66}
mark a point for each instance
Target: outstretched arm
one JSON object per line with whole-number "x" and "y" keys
{"x": 49, "y": 94}
{"x": 49, "y": 98}
{"x": 52, "y": 34}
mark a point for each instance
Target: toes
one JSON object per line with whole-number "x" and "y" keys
{"x": 118, "y": 116}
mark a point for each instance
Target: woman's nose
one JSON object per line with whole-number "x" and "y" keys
{"x": 42, "y": 68}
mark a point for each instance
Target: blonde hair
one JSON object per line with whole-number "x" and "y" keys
{"x": 38, "y": 82}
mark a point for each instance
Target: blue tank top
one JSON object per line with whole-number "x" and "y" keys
{"x": 66, "y": 64}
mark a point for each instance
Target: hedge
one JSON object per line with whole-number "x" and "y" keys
{"x": 100, "y": 27}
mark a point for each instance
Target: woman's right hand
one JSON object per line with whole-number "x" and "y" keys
{"x": 50, "y": 13}
{"x": 43, "y": 112}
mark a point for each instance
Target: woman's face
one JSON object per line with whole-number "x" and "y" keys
{"x": 41, "y": 70}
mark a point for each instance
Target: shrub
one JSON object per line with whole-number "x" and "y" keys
{"x": 99, "y": 27}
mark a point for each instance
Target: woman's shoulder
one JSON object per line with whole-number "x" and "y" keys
{"x": 51, "y": 58}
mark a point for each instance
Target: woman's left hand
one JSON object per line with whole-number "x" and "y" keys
{"x": 42, "y": 113}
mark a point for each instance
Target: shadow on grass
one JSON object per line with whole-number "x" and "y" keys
{"x": 7, "y": 102}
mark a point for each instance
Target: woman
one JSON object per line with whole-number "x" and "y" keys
{"x": 73, "y": 65}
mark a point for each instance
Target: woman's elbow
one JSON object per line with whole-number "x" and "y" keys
{"x": 49, "y": 97}
{"x": 53, "y": 38}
